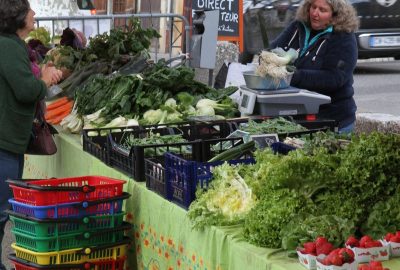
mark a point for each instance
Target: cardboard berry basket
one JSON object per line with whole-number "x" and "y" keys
{"x": 309, "y": 261}
{"x": 394, "y": 248}
{"x": 364, "y": 255}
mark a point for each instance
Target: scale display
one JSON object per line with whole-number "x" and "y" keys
{"x": 282, "y": 102}
{"x": 247, "y": 102}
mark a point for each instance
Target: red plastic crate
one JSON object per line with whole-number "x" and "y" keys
{"x": 117, "y": 264}
{"x": 39, "y": 192}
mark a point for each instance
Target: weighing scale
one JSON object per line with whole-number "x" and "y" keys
{"x": 282, "y": 102}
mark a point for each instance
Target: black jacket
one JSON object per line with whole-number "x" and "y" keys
{"x": 325, "y": 67}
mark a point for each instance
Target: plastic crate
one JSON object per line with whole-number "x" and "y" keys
{"x": 196, "y": 130}
{"x": 74, "y": 256}
{"x": 155, "y": 176}
{"x": 72, "y": 240}
{"x": 94, "y": 141}
{"x": 65, "y": 190}
{"x": 117, "y": 264}
{"x": 183, "y": 176}
{"x": 131, "y": 161}
{"x": 63, "y": 226}
{"x": 71, "y": 210}
{"x": 155, "y": 171}
{"x": 312, "y": 125}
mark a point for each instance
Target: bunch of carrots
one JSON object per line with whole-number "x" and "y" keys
{"x": 58, "y": 110}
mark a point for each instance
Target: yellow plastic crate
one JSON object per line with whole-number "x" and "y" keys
{"x": 73, "y": 256}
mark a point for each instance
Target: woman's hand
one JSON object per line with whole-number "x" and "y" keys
{"x": 50, "y": 74}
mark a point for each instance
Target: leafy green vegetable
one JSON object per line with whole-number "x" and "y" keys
{"x": 264, "y": 222}
{"x": 275, "y": 125}
{"x": 369, "y": 168}
{"x": 384, "y": 217}
{"x": 306, "y": 228}
{"x": 129, "y": 40}
{"x": 41, "y": 33}
{"x": 154, "y": 139}
{"x": 226, "y": 202}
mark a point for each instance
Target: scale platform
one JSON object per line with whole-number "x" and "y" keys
{"x": 287, "y": 101}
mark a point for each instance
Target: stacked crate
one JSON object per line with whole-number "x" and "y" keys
{"x": 68, "y": 223}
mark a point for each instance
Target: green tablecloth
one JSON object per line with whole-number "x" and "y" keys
{"x": 163, "y": 238}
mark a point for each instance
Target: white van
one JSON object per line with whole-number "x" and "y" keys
{"x": 57, "y": 15}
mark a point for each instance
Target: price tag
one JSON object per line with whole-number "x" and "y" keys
{"x": 264, "y": 140}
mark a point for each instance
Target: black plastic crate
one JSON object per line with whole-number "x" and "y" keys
{"x": 95, "y": 141}
{"x": 195, "y": 130}
{"x": 131, "y": 161}
{"x": 155, "y": 176}
{"x": 312, "y": 125}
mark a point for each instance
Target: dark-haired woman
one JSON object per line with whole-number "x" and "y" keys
{"x": 20, "y": 91}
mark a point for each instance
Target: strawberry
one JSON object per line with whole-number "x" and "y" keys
{"x": 352, "y": 242}
{"x": 310, "y": 248}
{"x": 364, "y": 267}
{"x": 394, "y": 238}
{"x": 347, "y": 255}
{"x": 375, "y": 264}
{"x": 388, "y": 236}
{"x": 365, "y": 238}
{"x": 326, "y": 261}
{"x": 320, "y": 240}
{"x": 324, "y": 248}
{"x": 335, "y": 259}
{"x": 398, "y": 233}
{"x": 373, "y": 243}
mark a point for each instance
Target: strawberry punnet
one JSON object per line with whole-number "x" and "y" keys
{"x": 373, "y": 265}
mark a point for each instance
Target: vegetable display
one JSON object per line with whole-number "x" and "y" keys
{"x": 335, "y": 189}
{"x": 226, "y": 202}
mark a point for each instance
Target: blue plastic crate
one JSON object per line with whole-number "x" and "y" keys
{"x": 155, "y": 171}
{"x": 183, "y": 176}
{"x": 71, "y": 210}
{"x": 282, "y": 148}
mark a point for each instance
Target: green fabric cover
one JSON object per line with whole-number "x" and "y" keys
{"x": 162, "y": 234}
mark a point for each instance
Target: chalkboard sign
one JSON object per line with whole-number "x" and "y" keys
{"x": 230, "y": 17}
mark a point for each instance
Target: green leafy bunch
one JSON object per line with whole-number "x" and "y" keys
{"x": 384, "y": 217}
{"x": 264, "y": 222}
{"x": 127, "y": 40}
{"x": 306, "y": 228}
{"x": 41, "y": 33}
{"x": 369, "y": 167}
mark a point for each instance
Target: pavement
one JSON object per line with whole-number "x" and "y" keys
{"x": 6, "y": 246}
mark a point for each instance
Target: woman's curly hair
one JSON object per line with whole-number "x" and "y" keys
{"x": 344, "y": 16}
{"x": 12, "y": 15}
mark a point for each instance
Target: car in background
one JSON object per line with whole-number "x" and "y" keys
{"x": 378, "y": 35}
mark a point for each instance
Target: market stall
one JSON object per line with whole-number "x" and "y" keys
{"x": 162, "y": 232}
{"x": 153, "y": 122}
